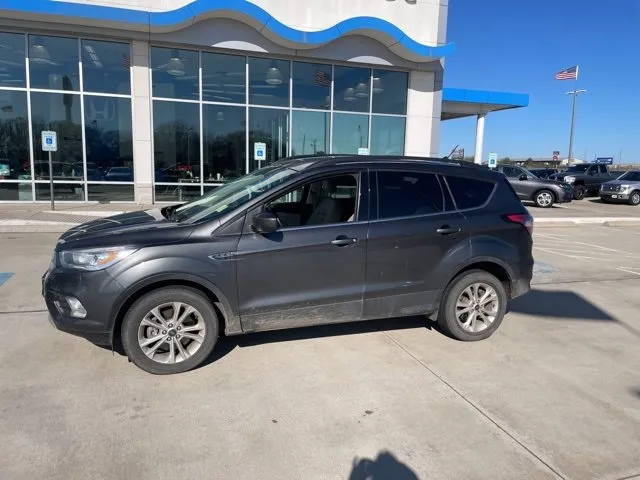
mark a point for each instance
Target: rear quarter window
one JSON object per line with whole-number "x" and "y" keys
{"x": 469, "y": 192}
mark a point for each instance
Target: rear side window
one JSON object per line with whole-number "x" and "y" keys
{"x": 469, "y": 192}
{"x": 404, "y": 194}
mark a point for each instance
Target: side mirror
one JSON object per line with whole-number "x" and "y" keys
{"x": 265, "y": 222}
{"x": 523, "y": 177}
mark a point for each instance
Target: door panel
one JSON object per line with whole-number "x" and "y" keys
{"x": 298, "y": 277}
{"x": 408, "y": 262}
{"x": 312, "y": 272}
{"x": 413, "y": 244}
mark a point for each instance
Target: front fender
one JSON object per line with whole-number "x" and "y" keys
{"x": 215, "y": 276}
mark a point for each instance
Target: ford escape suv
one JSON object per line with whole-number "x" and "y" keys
{"x": 304, "y": 241}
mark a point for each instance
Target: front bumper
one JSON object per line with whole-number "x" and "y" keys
{"x": 95, "y": 290}
{"x": 614, "y": 196}
{"x": 565, "y": 195}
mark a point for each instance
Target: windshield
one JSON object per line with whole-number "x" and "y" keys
{"x": 630, "y": 177}
{"x": 233, "y": 194}
{"x": 578, "y": 168}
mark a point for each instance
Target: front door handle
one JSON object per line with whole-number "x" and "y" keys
{"x": 343, "y": 241}
{"x": 447, "y": 230}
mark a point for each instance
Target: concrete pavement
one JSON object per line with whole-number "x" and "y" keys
{"x": 553, "y": 394}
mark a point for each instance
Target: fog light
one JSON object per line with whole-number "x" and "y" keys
{"x": 77, "y": 310}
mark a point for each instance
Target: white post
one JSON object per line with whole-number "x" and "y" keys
{"x": 479, "y": 138}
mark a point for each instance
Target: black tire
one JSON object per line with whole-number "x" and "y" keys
{"x": 579, "y": 192}
{"x": 544, "y": 199}
{"x": 137, "y": 312}
{"x": 447, "y": 320}
{"x": 634, "y": 198}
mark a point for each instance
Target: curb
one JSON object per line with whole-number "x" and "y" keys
{"x": 576, "y": 221}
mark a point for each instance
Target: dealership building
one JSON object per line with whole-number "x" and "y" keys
{"x": 164, "y": 100}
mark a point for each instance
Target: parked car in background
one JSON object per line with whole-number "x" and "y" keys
{"x": 120, "y": 174}
{"x": 305, "y": 241}
{"x": 624, "y": 189}
{"x": 543, "y": 172}
{"x": 586, "y": 178}
{"x": 544, "y": 193}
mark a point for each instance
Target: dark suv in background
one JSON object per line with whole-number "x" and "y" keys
{"x": 544, "y": 193}
{"x": 304, "y": 241}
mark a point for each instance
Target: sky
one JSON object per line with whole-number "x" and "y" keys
{"x": 519, "y": 45}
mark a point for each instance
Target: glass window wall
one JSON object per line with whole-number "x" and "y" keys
{"x": 53, "y": 63}
{"x": 91, "y": 114}
{"x": 106, "y": 67}
{"x": 269, "y": 82}
{"x": 12, "y": 60}
{"x": 108, "y": 139}
{"x": 176, "y": 142}
{"x": 59, "y": 112}
{"x": 293, "y": 108}
{"x": 175, "y": 73}
{"x": 223, "y": 78}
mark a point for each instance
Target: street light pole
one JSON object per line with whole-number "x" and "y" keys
{"x": 575, "y": 93}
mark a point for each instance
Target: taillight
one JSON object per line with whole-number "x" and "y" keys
{"x": 523, "y": 219}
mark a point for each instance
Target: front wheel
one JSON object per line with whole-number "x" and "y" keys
{"x": 473, "y": 306}
{"x": 634, "y": 198}
{"x": 579, "y": 192}
{"x": 170, "y": 330}
{"x": 544, "y": 199}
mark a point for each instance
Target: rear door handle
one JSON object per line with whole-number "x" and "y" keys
{"x": 447, "y": 230}
{"x": 343, "y": 241}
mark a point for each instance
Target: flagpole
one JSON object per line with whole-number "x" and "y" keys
{"x": 573, "y": 117}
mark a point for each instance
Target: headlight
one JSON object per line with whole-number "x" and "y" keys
{"x": 624, "y": 188}
{"x": 569, "y": 179}
{"x": 94, "y": 259}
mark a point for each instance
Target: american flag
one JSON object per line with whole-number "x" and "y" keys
{"x": 322, "y": 78}
{"x": 568, "y": 74}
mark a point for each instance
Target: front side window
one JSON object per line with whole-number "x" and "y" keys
{"x": 319, "y": 202}
{"x": 603, "y": 168}
{"x": 469, "y": 192}
{"x": 405, "y": 194}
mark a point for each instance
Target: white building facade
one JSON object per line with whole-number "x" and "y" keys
{"x": 162, "y": 101}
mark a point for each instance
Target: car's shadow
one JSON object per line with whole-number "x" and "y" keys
{"x": 227, "y": 344}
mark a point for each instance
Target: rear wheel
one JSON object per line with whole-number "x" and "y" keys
{"x": 634, "y": 198}
{"x": 579, "y": 192}
{"x": 544, "y": 199}
{"x": 473, "y": 306}
{"x": 170, "y": 330}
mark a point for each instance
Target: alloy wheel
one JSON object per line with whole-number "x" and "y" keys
{"x": 171, "y": 332}
{"x": 477, "y": 307}
{"x": 544, "y": 199}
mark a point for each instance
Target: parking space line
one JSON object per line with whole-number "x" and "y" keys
{"x": 476, "y": 407}
{"x": 5, "y": 276}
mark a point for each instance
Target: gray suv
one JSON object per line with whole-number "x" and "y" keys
{"x": 543, "y": 192}
{"x": 302, "y": 242}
